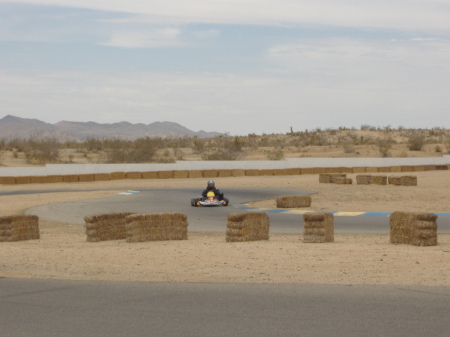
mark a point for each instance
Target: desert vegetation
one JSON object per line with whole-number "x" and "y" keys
{"x": 367, "y": 141}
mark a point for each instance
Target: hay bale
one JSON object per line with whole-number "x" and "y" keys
{"x": 379, "y": 180}
{"x": 238, "y": 173}
{"x": 56, "y": 178}
{"x": 40, "y": 179}
{"x": 318, "y": 227}
{"x": 324, "y": 178}
{"x": 86, "y": 177}
{"x": 430, "y": 167}
{"x": 247, "y": 226}
{"x": 252, "y": 173}
{"x": 118, "y": 175}
{"x": 165, "y": 174}
{"x": 181, "y": 174}
{"x": 419, "y": 168}
{"x": 156, "y": 227}
{"x": 102, "y": 177}
{"x": 210, "y": 173}
{"x": 149, "y": 175}
{"x": 195, "y": 174}
{"x": 396, "y": 169}
{"x": 287, "y": 172}
{"x": 266, "y": 172}
{"x": 384, "y": 169}
{"x": 133, "y": 175}
{"x": 408, "y": 180}
{"x": 413, "y": 228}
{"x": 104, "y": 227}
{"x": 442, "y": 167}
{"x": 407, "y": 168}
{"x": 19, "y": 228}
{"x": 7, "y": 180}
{"x": 372, "y": 170}
{"x": 225, "y": 173}
{"x": 293, "y": 201}
{"x": 23, "y": 180}
{"x": 70, "y": 178}
{"x": 359, "y": 170}
{"x": 363, "y": 179}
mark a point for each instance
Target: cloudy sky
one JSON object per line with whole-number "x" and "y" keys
{"x": 236, "y": 66}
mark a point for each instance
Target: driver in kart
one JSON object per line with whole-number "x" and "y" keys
{"x": 211, "y": 187}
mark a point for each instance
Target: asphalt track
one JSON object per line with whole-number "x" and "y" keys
{"x": 99, "y": 308}
{"x": 213, "y": 219}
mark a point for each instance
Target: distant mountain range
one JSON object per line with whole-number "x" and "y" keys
{"x": 15, "y": 127}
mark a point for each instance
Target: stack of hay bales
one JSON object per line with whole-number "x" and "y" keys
{"x": 343, "y": 181}
{"x": 413, "y": 228}
{"x": 379, "y": 180}
{"x": 318, "y": 227}
{"x": 251, "y": 226}
{"x": 403, "y": 181}
{"x": 294, "y": 201}
{"x": 103, "y": 227}
{"x": 363, "y": 179}
{"x": 409, "y": 181}
{"x": 156, "y": 227}
{"x": 19, "y": 228}
{"x": 331, "y": 178}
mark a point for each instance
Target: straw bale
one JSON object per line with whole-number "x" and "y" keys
{"x": 133, "y": 175}
{"x": 23, "y": 180}
{"x": 237, "y": 172}
{"x": 102, "y": 176}
{"x": 117, "y": 175}
{"x": 318, "y": 227}
{"x": 413, "y": 228}
{"x": 324, "y": 178}
{"x": 86, "y": 177}
{"x": 210, "y": 173}
{"x": 181, "y": 174}
{"x": 251, "y": 226}
{"x": 442, "y": 167}
{"x": 266, "y": 172}
{"x": 39, "y": 179}
{"x": 372, "y": 169}
{"x": 286, "y": 172}
{"x": 332, "y": 170}
{"x": 407, "y": 168}
{"x": 309, "y": 170}
{"x": 430, "y": 167}
{"x": 156, "y": 227}
{"x": 19, "y": 228}
{"x": 408, "y": 180}
{"x": 396, "y": 169}
{"x": 55, "y": 178}
{"x": 196, "y": 174}
{"x": 7, "y": 180}
{"x": 165, "y": 174}
{"x": 293, "y": 201}
{"x": 379, "y": 180}
{"x": 384, "y": 169}
{"x": 70, "y": 178}
{"x": 418, "y": 168}
{"x": 149, "y": 175}
{"x": 225, "y": 173}
{"x": 359, "y": 170}
{"x": 363, "y": 179}
{"x": 108, "y": 226}
{"x": 252, "y": 173}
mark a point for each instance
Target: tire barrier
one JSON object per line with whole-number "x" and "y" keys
{"x": 251, "y": 226}
{"x": 417, "y": 229}
{"x": 293, "y": 201}
{"x": 318, "y": 227}
{"x": 19, "y": 228}
{"x": 337, "y": 174}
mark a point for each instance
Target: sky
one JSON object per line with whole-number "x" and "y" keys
{"x": 237, "y": 67}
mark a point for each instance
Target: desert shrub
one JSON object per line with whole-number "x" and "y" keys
{"x": 93, "y": 145}
{"x": 416, "y": 141}
{"x": 384, "y": 146}
{"x": 141, "y": 150}
{"x": 276, "y": 154}
{"x": 42, "y": 149}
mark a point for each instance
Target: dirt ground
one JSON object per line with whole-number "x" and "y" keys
{"x": 62, "y": 251}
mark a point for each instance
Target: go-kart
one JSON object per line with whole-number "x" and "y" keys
{"x": 210, "y": 200}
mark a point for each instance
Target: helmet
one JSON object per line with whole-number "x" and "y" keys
{"x": 211, "y": 184}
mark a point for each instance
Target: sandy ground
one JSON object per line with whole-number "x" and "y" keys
{"x": 63, "y": 253}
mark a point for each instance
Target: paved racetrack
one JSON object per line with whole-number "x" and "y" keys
{"x": 208, "y": 219}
